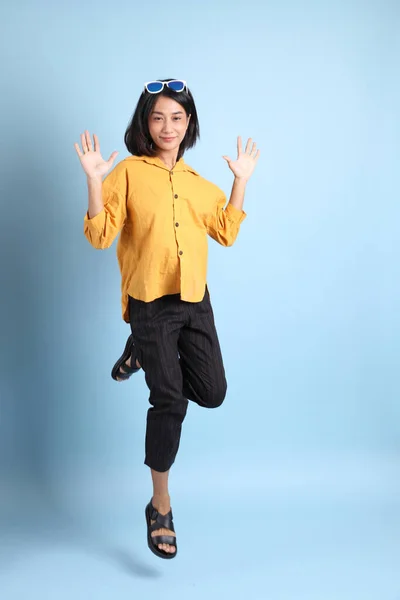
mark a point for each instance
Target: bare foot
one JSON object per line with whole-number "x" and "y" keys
{"x": 163, "y": 506}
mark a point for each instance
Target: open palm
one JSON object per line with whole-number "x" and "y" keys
{"x": 92, "y": 162}
{"x": 246, "y": 160}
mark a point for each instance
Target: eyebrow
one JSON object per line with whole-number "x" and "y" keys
{"x": 157, "y": 112}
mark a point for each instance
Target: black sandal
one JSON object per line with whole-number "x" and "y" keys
{"x": 121, "y": 362}
{"x": 161, "y": 522}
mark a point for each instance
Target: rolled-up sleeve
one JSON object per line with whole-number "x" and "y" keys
{"x": 224, "y": 222}
{"x": 102, "y": 229}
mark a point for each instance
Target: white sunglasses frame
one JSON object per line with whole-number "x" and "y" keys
{"x": 165, "y": 83}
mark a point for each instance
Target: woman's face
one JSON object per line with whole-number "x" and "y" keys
{"x": 168, "y": 123}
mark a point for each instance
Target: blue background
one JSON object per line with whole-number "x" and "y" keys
{"x": 291, "y": 489}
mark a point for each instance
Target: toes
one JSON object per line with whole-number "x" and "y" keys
{"x": 127, "y": 363}
{"x": 166, "y": 548}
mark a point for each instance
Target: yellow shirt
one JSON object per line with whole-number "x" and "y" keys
{"x": 163, "y": 217}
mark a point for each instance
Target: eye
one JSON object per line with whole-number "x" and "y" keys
{"x": 177, "y": 118}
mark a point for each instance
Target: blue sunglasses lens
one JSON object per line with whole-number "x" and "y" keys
{"x": 177, "y": 86}
{"x": 154, "y": 86}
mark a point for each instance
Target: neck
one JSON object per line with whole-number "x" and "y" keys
{"x": 168, "y": 158}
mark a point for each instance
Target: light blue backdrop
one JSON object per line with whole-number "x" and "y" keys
{"x": 306, "y": 301}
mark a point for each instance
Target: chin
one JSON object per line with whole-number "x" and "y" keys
{"x": 170, "y": 147}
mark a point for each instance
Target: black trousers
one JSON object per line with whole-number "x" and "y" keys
{"x": 178, "y": 348}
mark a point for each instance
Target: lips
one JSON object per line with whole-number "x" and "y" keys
{"x": 167, "y": 139}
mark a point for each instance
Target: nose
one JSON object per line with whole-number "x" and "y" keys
{"x": 167, "y": 128}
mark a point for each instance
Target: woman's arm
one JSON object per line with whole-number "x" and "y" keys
{"x": 95, "y": 185}
{"x": 224, "y": 224}
{"x": 106, "y": 199}
{"x": 242, "y": 168}
{"x": 106, "y": 213}
{"x": 237, "y": 193}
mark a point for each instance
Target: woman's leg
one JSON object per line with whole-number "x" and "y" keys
{"x": 202, "y": 366}
{"x": 155, "y": 329}
{"x": 161, "y": 501}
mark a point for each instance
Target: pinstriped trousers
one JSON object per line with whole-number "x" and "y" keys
{"x": 178, "y": 348}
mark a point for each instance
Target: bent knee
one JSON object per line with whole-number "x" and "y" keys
{"x": 215, "y": 396}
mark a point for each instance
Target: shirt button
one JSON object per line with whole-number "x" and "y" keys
{"x": 176, "y": 195}
{"x": 180, "y": 252}
{"x": 176, "y": 224}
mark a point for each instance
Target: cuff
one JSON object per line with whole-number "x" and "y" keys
{"x": 96, "y": 222}
{"x": 234, "y": 214}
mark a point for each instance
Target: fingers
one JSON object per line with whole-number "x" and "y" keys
{"x": 88, "y": 141}
{"x": 96, "y": 143}
{"x": 251, "y": 147}
{"x": 84, "y": 143}
{"x": 78, "y": 150}
{"x": 228, "y": 160}
{"x": 113, "y": 156}
{"x": 239, "y": 145}
{"x": 87, "y": 145}
{"x": 248, "y": 145}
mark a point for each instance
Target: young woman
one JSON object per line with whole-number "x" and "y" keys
{"x": 163, "y": 210}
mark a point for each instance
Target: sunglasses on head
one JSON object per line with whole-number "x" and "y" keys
{"x": 155, "y": 87}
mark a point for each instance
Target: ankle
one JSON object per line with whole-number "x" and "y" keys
{"x": 161, "y": 501}
{"x": 164, "y": 496}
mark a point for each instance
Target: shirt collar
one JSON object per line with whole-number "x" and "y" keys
{"x": 180, "y": 166}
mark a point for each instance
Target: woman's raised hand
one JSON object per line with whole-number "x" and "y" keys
{"x": 92, "y": 162}
{"x": 244, "y": 165}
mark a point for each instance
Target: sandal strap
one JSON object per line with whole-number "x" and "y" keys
{"x": 121, "y": 370}
{"x": 164, "y": 539}
{"x": 122, "y": 375}
{"x": 127, "y": 369}
{"x": 161, "y": 521}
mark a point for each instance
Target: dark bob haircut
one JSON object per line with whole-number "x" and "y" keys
{"x": 137, "y": 136}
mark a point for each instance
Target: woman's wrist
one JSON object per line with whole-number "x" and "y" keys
{"x": 94, "y": 180}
